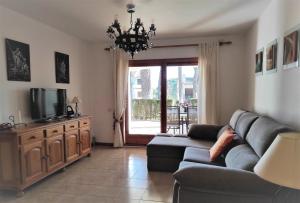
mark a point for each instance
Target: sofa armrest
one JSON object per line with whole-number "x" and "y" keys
{"x": 205, "y": 132}
{"x": 218, "y": 179}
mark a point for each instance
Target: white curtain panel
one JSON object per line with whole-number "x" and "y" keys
{"x": 209, "y": 85}
{"x": 120, "y": 87}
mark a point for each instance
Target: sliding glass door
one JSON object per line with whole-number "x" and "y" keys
{"x": 182, "y": 98}
{"x": 144, "y": 100}
{"x": 162, "y": 97}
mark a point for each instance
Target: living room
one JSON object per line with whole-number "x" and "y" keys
{"x": 216, "y": 77}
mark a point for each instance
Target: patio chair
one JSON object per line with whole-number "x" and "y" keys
{"x": 192, "y": 116}
{"x": 173, "y": 118}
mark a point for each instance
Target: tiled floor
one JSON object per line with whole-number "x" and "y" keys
{"x": 110, "y": 176}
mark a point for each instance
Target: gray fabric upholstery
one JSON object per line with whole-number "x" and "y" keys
{"x": 237, "y": 140}
{"x": 180, "y": 142}
{"x": 185, "y": 164}
{"x": 165, "y": 164}
{"x": 198, "y": 155}
{"x": 164, "y": 134}
{"x": 244, "y": 123}
{"x": 241, "y": 157}
{"x": 208, "y": 177}
{"x": 198, "y": 180}
{"x": 235, "y": 117}
{"x": 204, "y": 132}
{"x": 263, "y": 132}
{"x": 165, "y": 153}
{"x": 214, "y": 184}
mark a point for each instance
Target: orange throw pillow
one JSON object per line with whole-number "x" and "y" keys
{"x": 224, "y": 140}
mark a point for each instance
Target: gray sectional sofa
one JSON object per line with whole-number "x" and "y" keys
{"x": 228, "y": 179}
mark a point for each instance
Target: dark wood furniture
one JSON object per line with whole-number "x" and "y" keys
{"x": 31, "y": 153}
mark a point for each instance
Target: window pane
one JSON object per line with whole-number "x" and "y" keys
{"x": 182, "y": 98}
{"x": 144, "y": 100}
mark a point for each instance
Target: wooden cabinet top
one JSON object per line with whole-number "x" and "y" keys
{"x": 35, "y": 126}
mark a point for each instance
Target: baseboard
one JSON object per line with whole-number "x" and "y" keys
{"x": 104, "y": 144}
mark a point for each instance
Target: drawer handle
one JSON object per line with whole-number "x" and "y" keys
{"x": 32, "y": 137}
{"x": 55, "y": 131}
{"x": 72, "y": 126}
{"x": 84, "y": 123}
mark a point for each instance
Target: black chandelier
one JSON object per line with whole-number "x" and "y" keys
{"x": 135, "y": 39}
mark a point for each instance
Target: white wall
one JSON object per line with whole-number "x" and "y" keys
{"x": 101, "y": 89}
{"x": 233, "y": 78}
{"x": 92, "y": 73}
{"x": 277, "y": 94}
{"x": 232, "y": 75}
{"x": 43, "y": 41}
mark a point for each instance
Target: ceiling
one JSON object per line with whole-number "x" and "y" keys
{"x": 89, "y": 19}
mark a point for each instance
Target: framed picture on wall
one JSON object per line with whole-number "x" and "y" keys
{"x": 271, "y": 56}
{"x": 291, "y": 50}
{"x": 17, "y": 61}
{"x": 259, "y": 61}
{"x": 62, "y": 68}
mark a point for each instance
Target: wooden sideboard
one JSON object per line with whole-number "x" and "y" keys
{"x": 31, "y": 153}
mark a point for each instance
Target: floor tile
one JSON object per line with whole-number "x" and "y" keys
{"x": 108, "y": 176}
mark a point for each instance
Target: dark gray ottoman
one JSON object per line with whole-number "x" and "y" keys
{"x": 164, "y": 153}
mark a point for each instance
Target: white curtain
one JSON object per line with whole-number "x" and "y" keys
{"x": 120, "y": 87}
{"x": 208, "y": 107}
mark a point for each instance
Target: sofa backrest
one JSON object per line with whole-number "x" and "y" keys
{"x": 244, "y": 123}
{"x": 235, "y": 117}
{"x": 241, "y": 157}
{"x": 258, "y": 132}
{"x": 262, "y": 133}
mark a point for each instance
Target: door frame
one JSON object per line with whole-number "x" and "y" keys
{"x": 136, "y": 139}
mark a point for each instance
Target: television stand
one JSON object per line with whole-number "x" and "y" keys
{"x": 27, "y": 155}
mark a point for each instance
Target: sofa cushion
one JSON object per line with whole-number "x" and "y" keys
{"x": 237, "y": 140}
{"x": 244, "y": 123}
{"x": 185, "y": 164}
{"x": 174, "y": 146}
{"x": 241, "y": 157}
{"x": 181, "y": 141}
{"x": 262, "y": 133}
{"x": 235, "y": 117}
{"x": 198, "y": 155}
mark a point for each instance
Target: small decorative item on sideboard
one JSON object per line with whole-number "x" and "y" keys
{"x": 76, "y": 100}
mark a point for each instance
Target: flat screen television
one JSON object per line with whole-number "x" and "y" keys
{"x": 48, "y": 104}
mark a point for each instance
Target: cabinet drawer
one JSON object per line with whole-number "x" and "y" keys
{"x": 84, "y": 123}
{"x": 31, "y": 137}
{"x": 71, "y": 126}
{"x": 57, "y": 130}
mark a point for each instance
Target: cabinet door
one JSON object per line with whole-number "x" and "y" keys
{"x": 85, "y": 141}
{"x": 33, "y": 161}
{"x": 55, "y": 152}
{"x": 72, "y": 145}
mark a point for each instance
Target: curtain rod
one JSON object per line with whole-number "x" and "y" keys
{"x": 222, "y": 43}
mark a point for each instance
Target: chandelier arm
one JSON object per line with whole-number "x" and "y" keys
{"x": 119, "y": 30}
{"x": 133, "y": 40}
